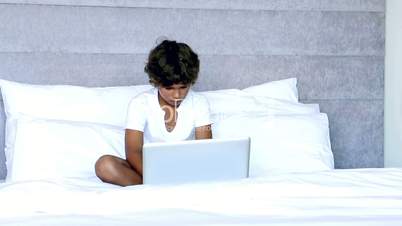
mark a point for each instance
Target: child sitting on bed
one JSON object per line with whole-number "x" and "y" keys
{"x": 169, "y": 112}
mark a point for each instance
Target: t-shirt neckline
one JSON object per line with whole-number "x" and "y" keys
{"x": 162, "y": 112}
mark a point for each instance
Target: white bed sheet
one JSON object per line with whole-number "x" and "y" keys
{"x": 339, "y": 197}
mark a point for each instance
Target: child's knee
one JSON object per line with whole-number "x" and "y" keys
{"x": 103, "y": 166}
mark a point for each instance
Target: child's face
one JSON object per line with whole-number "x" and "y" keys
{"x": 174, "y": 94}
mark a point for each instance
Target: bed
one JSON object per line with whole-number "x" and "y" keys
{"x": 311, "y": 93}
{"x": 340, "y": 197}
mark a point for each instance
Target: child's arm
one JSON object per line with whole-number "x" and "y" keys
{"x": 134, "y": 140}
{"x": 203, "y": 132}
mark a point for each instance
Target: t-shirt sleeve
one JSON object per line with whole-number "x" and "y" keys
{"x": 202, "y": 111}
{"x": 137, "y": 114}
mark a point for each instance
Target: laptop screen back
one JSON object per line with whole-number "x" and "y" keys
{"x": 196, "y": 160}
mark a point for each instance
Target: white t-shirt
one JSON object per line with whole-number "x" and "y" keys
{"x": 145, "y": 114}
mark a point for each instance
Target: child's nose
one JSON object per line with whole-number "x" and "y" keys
{"x": 176, "y": 94}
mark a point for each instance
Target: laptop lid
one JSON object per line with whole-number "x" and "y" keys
{"x": 196, "y": 160}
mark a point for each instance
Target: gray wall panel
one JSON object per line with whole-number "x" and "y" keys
{"x": 122, "y": 30}
{"x": 322, "y": 5}
{"x": 319, "y": 77}
{"x": 74, "y": 69}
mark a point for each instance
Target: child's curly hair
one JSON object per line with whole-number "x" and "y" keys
{"x": 172, "y": 63}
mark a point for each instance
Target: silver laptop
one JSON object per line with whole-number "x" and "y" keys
{"x": 196, "y": 160}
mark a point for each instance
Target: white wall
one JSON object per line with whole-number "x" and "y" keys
{"x": 393, "y": 85}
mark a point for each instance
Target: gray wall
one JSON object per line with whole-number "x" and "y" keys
{"x": 334, "y": 47}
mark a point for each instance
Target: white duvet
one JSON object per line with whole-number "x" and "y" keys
{"x": 339, "y": 197}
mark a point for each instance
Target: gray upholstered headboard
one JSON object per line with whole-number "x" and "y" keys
{"x": 335, "y": 49}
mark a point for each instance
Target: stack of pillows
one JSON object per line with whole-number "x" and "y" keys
{"x": 59, "y": 131}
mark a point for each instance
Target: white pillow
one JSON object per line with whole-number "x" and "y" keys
{"x": 285, "y": 89}
{"x": 225, "y": 103}
{"x": 282, "y": 143}
{"x": 106, "y": 105}
{"x": 50, "y": 149}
